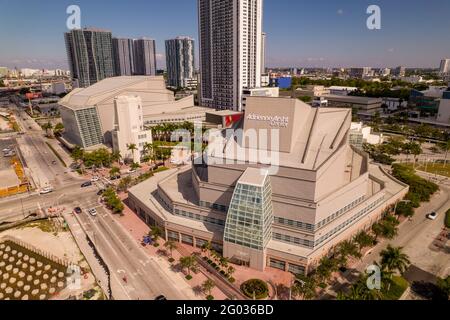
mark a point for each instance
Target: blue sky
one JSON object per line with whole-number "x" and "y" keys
{"x": 303, "y": 33}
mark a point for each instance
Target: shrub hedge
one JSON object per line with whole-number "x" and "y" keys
{"x": 255, "y": 288}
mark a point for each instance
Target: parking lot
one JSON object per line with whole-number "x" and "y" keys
{"x": 8, "y": 176}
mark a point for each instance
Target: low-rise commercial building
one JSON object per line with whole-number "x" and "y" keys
{"x": 273, "y": 92}
{"x": 285, "y": 214}
{"x": 93, "y": 107}
{"x": 341, "y": 91}
{"x": 360, "y": 134}
{"x": 129, "y": 128}
{"x": 359, "y": 103}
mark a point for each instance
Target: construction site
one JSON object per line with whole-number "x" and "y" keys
{"x": 12, "y": 176}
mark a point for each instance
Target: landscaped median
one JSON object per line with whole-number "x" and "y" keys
{"x": 420, "y": 190}
{"x": 56, "y": 154}
{"x": 447, "y": 218}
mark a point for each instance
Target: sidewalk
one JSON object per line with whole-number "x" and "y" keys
{"x": 137, "y": 229}
{"x": 79, "y": 235}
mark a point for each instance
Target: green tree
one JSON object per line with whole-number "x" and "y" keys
{"x": 345, "y": 249}
{"x": 364, "y": 240}
{"x": 155, "y": 233}
{"x": 114, "y": 172}
{"x": 326, "y": 267}
{"x": 48, "y": 128}
{"x": 393, "y": 259}
{"x": 125, "y": 183}
{"x": 77, "y": 153}
{"x": 170, "y": 245}
{"x": 135, "y": 166}
{"x": 207, "y": 286}
{"x": 116, "y": 156}
{"x": 206, "y": 248}
{"x": 132, "y": 147}
{"x": 59, "y": 128}
{"x": 189, "y": 263}
{"x": 305, "y": 287}
{"x": 230, "y": 270}
{"x": 444, "y": 285}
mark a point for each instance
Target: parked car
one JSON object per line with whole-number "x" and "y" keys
{"x": 114, "y": 178}
{"x": 100, "y": 192}
{"x": 86, "y": 184}
{"x": 160, "y": 297}
{"x": 92, "y": 212}
{"x": 432, "y": 216}
{"x": 46, "y": 190}
{"x": 77, "y": 210}
{"x": 95, "y": 179}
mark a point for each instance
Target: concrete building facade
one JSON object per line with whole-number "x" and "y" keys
{"x": 129, "y": 128}
{"x": 123, "y": 51}
{"x": 180, "y": 62}
{"x": 323, "y": 192}
{"x": 90, "y": 55}
{"x": 230, "y": 50}
{"x": 144, "y": 57}
{"x": 158, "y": 106}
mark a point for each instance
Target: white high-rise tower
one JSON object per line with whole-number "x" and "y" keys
{"x": 230, "y": 50}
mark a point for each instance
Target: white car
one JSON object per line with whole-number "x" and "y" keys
{"x": 95, "y": 179}
{"x": 92, "y": 212}
{"x": 46, "y": 190}
{"x": 432, "y": 216}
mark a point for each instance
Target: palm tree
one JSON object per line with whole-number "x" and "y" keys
{"x": 114, "y": 172}
{"x": 207, "y": 247}
{"x": 377, "y": 229}
{"x": 363, "y": 240}
{"x": 223, "y": 262}
{"x": 349, "y": 248}
{"x": 148, "y": 150}
{"x": 207, "y": 286}
{"x": 230, "y": 270}
{"x": 132, "y": 147}
{"x": 393, "y": 259}
{"x": 326, "y": 267}
{"x": 47, "y": 127}
{"x": 189, "y": 262}
{"x": 58, "y": 128}
{"x": 116, "y": 156}
{"x": 155, "y": 233}
{"x": 304, "y": 286}
{"x": 170, "y": 245}
{"x": 135, "y": 166}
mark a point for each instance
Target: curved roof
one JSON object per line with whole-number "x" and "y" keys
{"x": 115, "y": 86}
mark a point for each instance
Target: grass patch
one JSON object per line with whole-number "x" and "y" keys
{"x": 56, "y": 154}
{"x": 44, "y": 225}
{"x": 398, "y": 287}
{"x": 435, "y": 168}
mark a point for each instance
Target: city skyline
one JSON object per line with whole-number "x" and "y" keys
{"x": 298, "y": 34}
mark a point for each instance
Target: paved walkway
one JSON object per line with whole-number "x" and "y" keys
{"x": 415, "y": 237}
{"x": 88, "y": 252}
{"x": 136, "y": 230}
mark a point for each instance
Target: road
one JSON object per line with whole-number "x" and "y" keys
{"x": 146, "y": 276}
{"x": 416, "y": 237}
{"x": 41, "y": 162}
